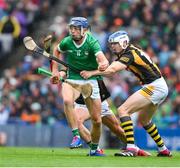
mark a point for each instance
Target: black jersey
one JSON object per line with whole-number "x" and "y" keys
{"x": 104, "y": 93}
{"x": 140, "y": 64}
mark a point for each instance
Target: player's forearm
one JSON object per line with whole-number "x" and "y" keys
{"x": 102, "y": 61}
{"x": 107, "y": 72}
{"x": 116, "y": 66}
{"x": 54, "y": 64}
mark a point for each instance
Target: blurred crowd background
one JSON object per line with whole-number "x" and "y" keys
{"x": 28, "y": 98}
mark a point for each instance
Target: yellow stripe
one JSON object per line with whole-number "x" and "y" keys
{"x": 154, "y": 132}
{"x": 130, "y": 139}
{"x": 150, "y": 129}
{"x": 134, "y": 69}
{"x": 160, "y": 142}
{"x": 135, "y": 54}
{"x": 129, "y": 133}
{"x": 144, "y": 93}
{"x": 129, "y": 127}
{"x": 157, "y": 137}
{"x": 157, "y": 68}
{"x": 150, "y": 87}
{"x": 139, "y": 61}
{"x": 147, "y": 91}
{"x": 126, "y": 123}
{"x": 17, "y": 28}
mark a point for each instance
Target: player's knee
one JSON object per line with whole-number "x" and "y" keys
{"x": 143, "y": 121}
{"x": 68, "y": 102}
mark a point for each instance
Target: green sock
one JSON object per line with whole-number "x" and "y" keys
{"x": 94, "y": 146}
{"x": 75, "y": 132}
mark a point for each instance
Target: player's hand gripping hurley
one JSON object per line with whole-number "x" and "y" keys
{"x": 85, "y": 89}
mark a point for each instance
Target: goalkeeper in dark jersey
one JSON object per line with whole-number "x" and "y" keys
{"x": 81, "y": 51}
{"x": 146, "y": 100}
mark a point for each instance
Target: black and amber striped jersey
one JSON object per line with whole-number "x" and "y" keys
{"x": 140, "y": 64}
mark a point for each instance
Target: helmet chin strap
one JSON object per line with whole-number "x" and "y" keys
{"x": 122, "y": 45}
{"x": 82, "y": 34}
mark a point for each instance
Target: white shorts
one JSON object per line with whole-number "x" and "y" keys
{"x": 95, "y": 92}
{"x": 156, "y": 91}
{"x": 105, "y": 111}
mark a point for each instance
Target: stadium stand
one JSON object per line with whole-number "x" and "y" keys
{"x": 28, "y": 98}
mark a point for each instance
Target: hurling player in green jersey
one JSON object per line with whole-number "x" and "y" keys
{"x": 82, "y": 51}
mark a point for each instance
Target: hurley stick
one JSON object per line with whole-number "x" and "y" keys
{"x": 32, "y": 46}
{"x": 84, "y": 89}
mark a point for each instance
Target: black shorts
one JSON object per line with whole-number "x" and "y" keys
{"x": 104, "y": 93}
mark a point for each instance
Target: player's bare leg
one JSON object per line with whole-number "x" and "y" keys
{"x": 94, "y": 108}
{"x": 113, "y": 124}
{"x": 70, "y": 113}
{"x": 82, "y": 115}
{"x": 110, "y": 121}
{"x": 124, "y": 111}
{"x": 145, "y": 119}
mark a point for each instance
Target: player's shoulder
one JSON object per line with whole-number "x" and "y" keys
{"x": 66, "y": 39}
{"x": 134, "y": 47}
{"x": 90, "y": 38}
{"x": 127, "y": 56}
{"x": 127, "y": 52}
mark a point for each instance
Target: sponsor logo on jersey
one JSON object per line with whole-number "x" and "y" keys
{"x": 70, "y": 51}
{"x": 124, "y": 59}
{"x": 78, "y": 52}
{"x": 86, "y": 53}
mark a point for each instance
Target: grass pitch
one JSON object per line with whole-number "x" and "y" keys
{"x": 64, "y": 157}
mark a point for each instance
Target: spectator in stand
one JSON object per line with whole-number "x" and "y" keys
{"x": 32, "y": 117}
{"x": 9, "y": 30}
{"x": 139, "y": 18}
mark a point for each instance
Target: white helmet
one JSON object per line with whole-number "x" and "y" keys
{"x": 119, "y": 37}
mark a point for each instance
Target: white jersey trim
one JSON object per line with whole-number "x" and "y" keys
{"x": 78, "y": 46}
{"x": 99, "y": 52}
{"x": 61, "y": 51}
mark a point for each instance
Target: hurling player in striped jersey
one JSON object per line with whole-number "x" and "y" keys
{"x": 146, "y": 100}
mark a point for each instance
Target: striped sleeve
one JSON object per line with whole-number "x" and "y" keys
{"x": 126, "y": 59}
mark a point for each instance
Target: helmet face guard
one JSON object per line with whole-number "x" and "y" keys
{"x": 80, "y": 22}
{"x": 120, "y": 37}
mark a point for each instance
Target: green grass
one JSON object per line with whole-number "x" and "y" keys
{"x": 59, "y": 157}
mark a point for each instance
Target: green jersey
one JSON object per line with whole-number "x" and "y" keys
{"x": 82, "y": 57}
